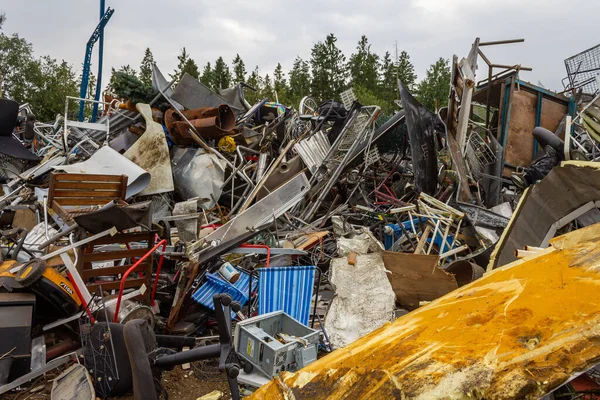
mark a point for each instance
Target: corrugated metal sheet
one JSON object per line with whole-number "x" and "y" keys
{"x": 286, "y": 288}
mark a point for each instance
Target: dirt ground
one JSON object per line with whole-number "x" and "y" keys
{"x": 180, "y": 385}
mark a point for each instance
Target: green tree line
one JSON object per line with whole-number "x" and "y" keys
{"x": 324, "y": 76}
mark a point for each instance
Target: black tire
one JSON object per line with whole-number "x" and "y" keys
{"x": 31, "y": 272}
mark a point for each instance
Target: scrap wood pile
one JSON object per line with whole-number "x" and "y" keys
{"x": 260, "y": 236}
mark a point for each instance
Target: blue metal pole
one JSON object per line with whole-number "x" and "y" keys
{"x": 88, "y": 59}
{"x": 100, "y": 57}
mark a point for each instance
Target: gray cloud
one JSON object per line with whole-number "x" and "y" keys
{"x": 267, "y": 33}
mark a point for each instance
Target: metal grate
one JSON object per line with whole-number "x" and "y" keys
{"x": 479, "y": 153}
{"x": 348, "y": 98}
{"x": 582, "y": 70}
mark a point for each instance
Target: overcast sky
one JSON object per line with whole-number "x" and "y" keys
{"x": 264, "y": 33}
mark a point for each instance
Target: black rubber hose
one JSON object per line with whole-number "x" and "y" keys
{"x": 143, "y": 380}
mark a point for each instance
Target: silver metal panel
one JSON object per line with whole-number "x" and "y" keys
{"x": 270, "y": 207}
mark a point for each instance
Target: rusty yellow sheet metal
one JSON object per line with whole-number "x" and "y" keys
{"x": 519, "y": 332}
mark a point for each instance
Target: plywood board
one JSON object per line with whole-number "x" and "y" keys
{"x": 519, "y": 146}
{"x": 416, "y": 278}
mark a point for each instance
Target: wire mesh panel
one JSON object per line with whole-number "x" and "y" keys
{"x": 348, "y": 97}
{"x": 479, "y": 154}
{"x": 582, "y": 70}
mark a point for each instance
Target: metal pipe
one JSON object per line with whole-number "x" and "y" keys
{"x": 262, "y": 164}
{"x": 260, "y": 246}
{"x": 487, "y": 60}
{"x": 516, "y": 66}
{"x": 131, "y": 269}
{"x": 196, "y": 354}
{"x": 496, "y": 42}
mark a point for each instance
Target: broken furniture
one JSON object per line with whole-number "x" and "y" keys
{"x": 99, "y": 267}
{"x": 72, "y": 194}
{"x": 275, "y": 342}
{"x": 521, "y": 107}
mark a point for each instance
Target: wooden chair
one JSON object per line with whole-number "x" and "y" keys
{"x": 91, "y": 253}
{"x": 75, "y": 193}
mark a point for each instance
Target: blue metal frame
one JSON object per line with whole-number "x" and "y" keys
{"x": 88, "y": 59}
{"x": 100, "y": 59}
{"x": 506, "y": 108}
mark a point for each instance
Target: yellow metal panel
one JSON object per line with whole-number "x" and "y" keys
{"x": 518, "y": 332}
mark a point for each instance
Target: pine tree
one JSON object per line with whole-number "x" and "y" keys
{"x": 186, "y": 64}
{"x": 221, "y": 75}
{"x": 299, "y": 80}
{"x": 254, "y": 81}
{"x": 328, "y": 68}
{"x": 406, "y": 71}
{"x": 436, "y": 85}
{"x": 267, "y": 90}
{"x": 207, "y": 76}
{"x": 178, "y": 73}
{"x": 146, "y": 67}
{"x": 389, "y": 78}
{"x": 363, "y": 66}
{"x": 239, "y": 69}
{"x": 279, "y": 82}
{"x": 191, "y": 68}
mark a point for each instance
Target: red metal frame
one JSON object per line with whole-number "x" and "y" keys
{"x": 260, "y": 246}
{"x": 162, "y": 243}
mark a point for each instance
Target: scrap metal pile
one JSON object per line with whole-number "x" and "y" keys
{"x": 261, "y": 236}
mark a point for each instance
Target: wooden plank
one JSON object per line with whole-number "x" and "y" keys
{"x": 305, "y": 241}
{"x": 114, "y": 255}
{"x": 92, "y": 273}
{"x": 88, "y": 185}
{"x": 91, "y": 193}
{"x": 416, "y": 278}
{"x": 83, "y": 201}
{"x": 423, "y": 240}
{"x": 552, "y": 114}
{"x": 88, "y": 178}
{"x": 519, "y": 146}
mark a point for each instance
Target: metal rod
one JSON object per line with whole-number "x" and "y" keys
{"x": 112, "y": 231}
{"x": 487, "y": 60}
{"x": 516, "y": 66}
{"x": 496, "y": 42}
